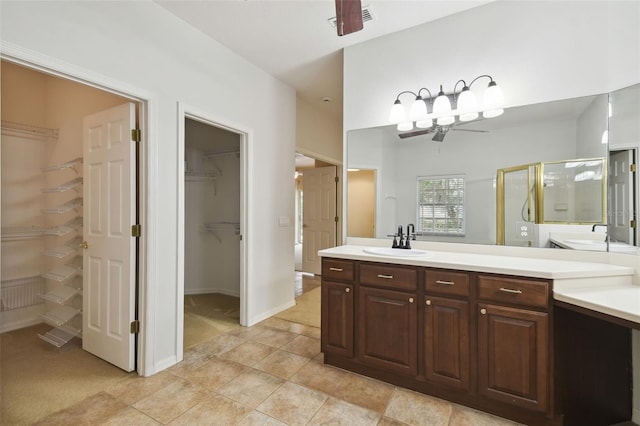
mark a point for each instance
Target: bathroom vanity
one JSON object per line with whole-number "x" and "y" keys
{"x": 479, "y": 330}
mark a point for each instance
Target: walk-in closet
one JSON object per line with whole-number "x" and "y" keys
{"x": 42, "y": 200}
{"x": 212, "y": 227}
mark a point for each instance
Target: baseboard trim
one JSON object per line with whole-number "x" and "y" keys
{"x": 16, "y": 325}
{"x": 272, "y": 312}
{"x": 209, "y": 290}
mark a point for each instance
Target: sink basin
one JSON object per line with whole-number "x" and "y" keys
{"x": 387, "y": 251}
{"x": 590, "y": 242}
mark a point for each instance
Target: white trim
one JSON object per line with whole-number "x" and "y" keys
{"x": 210, "y": 290}
{"x": 148, "y": 173}
{"x": 195, "y": 113}
{"x": 265, "y": 315}
{"x": 16, "y": 325}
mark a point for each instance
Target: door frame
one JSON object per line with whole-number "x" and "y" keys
{"x": 148, "y": 190}
{"x": 194, "y": 113}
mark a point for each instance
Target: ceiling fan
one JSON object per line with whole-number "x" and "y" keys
{"x": 440, "y": 132}
{"x": 348, "y": 16}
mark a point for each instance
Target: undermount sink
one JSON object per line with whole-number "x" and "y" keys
{"x": 397, "y": 252}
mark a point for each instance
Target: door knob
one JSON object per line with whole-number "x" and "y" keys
{"x": 84, "y": 245}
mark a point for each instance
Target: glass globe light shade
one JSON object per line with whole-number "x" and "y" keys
{"x": 467, "y": 105}
{"x": 493, "y": 98}
{"x": 404, "y": 126}
{"x": 442, "y": 105}
{"x": 446, "y": 120}
{"x": 418, "y": 110}
{"x": 492, "y": 113}
{"x": 424, "y": 124}
{"x": 397, "y": 113}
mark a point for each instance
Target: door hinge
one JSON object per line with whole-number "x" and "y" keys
{"x": 632, "y": 168}
{"x": 136, "y": 135}
{"x": 136, "y": 230}
{"x": 633, "y": 224}
{"x": 134, "y": 327}
{"x": 337, "y": 179}
{"x": 335, "y": 219}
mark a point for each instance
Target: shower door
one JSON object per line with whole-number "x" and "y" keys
{"x": 516, "y": 206}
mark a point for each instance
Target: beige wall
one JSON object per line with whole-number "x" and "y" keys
{"x": 318, "y": 134}
{"x": 361, "y": 195}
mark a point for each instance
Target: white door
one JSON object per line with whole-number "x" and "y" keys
{"x": 318, "y": 215}
{"x": 621, "y": 197}
{"x": 109, "y": 257}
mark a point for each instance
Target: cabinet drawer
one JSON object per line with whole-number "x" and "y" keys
{"x": 341, "y": 270}
{"x": 393, "y": 277}
{"x": 446, "y": 282}
{"x": 514, "y": 290}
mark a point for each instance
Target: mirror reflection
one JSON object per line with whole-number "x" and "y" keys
{"x": 445, "y": 181}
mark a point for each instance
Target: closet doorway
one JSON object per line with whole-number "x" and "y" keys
{"x": 212, "y": 222}
{"x": 70, "y": 196}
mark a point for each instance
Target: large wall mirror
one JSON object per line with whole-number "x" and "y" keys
{"x": 447, "y": 184}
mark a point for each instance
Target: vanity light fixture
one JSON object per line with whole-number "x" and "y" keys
{"x": 466, "y": 105}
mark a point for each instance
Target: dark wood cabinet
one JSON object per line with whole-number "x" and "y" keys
{"x": 446, "y": 341}
{"x": 513, "y": 356}
{"x": 514, "y": 341}
{"x": 337, "y": 307}
{"x": 387, "y": 330}
{"x": 479, "y": 339}
{"x": 337, "y": 316}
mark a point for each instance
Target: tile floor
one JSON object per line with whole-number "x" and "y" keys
{"x": 268, "y": 374}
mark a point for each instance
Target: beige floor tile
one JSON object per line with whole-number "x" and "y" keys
{"x": 214, "y": 410}
{"x": 304, "y": 346}
{"x": 191, "y": 360}
{"x": 256, "y": 418}
{"x": 136, "y": 388}
{"x": 247, "y": 333}
{"x": 418, "y": 409}
{"x": 307, "y": 330}
{"x": 278, "y": 323}
{"x": 365, "y": 392}
{"x": 386, "y": 421}
{"x": 293, "y": 404}
{"x": 248, "y": 353}
{"x": 219, "y": 344}
{"x": 251, "y": 387}
{"x": 464, "y": 416}
{"x": 318, "y": 376}
{"x": 170, "y": 402}
{"x": 92, "y": 410}
{"x": 274, "y": 337}
{"x": 215, "y": 373}
{"x": 335, "y": 412}
{"x": 130, "y": 416}
{"x": 282, "y": 364}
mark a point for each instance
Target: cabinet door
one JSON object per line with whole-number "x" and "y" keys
{"x": 446, "y": 341}
{"x": 337, "y": 318}
{"x": 387, "y": 330}
{"x": 513, "y": 358}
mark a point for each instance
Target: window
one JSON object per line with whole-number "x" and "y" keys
{"x": 440, "y": 205}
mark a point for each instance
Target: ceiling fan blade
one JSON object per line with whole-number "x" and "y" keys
{"x": 414, "y": 133}
{"x": 439, "y": 136}
{"x": 470, "y": 130}
{"x": 348, "y": 16}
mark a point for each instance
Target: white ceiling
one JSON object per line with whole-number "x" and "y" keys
{"x": 293, "y": 41}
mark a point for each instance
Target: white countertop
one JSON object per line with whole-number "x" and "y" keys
{"x": 522, "y": 266}
{"x": 600, "y": 287}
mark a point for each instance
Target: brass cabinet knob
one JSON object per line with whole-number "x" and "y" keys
{"x": 483, "y": 311}
{"x": 347, "y": 290}
{"x": 411, "y": 300}
{"x": 428, "y": 302}
{"x": 84, "y": 245}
